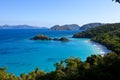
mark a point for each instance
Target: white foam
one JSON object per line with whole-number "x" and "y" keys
{"x": 102, "y": 49}
{"x": 87, "y": 41}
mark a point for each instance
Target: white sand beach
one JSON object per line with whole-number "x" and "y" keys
{"x": 102, "y": 49}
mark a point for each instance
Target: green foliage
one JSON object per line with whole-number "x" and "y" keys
{"x": 94, "y": 59}
{"x": 59, "y": 66}
{"x": 108, "y": 35}
{"x": 3, "y": 73}
{"x": 95, "y": 67}
{"x": 116, "y": 1}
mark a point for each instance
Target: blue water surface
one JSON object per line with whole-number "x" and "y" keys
{"x": 22, "y": 55}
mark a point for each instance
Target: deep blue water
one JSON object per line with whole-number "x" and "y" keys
{"x": 22, "y": 55}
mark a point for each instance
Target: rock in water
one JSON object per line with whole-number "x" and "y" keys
{"x": 41, "y": 37}
{"x": 56, "y": 39}
{"x": 64, "y": 39}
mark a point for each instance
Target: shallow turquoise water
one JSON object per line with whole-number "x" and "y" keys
{"x": 22, "y": 55}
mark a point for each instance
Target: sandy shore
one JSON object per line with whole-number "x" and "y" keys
{"x": 103, "y": 50}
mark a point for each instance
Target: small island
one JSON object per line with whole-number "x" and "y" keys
{"x": 64, "y": 39}
{"x": 41, "y": 37}
{"x": 44, "y": 37}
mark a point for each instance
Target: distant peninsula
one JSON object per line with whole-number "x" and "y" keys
{"x": 55, "y": 27}
{"x": 90, "y": 25}
{"x": 76, "y": 26}
{"x": 66, "y": 27}
{"x": 21, "y": 27}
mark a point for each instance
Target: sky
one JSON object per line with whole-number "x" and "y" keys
{"x": 46, "y": 13}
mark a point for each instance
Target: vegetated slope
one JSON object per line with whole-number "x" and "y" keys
{"x": 108, "y": 35}
{"x": 90, "y": 25}
{"x": 66, "y": 27}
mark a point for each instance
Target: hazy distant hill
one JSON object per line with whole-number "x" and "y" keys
{"x": 90, "y": 25}
{"x": 66, "y": 27}
{"x": 20, "y": 27}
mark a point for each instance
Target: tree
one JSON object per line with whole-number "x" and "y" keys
{"x": 116, "y": 1}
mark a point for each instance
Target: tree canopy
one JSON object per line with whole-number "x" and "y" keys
{"x": 95, "y": 67}
{"x": 116, "y": 1}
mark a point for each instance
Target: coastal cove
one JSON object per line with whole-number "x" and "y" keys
{"x": 22, "y": 55}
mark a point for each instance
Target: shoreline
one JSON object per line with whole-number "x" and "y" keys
{"x": 101, "y": 48}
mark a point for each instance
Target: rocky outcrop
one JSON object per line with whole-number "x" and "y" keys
{"x": 56, "y": 39}
{"x": 41, "y": 37}
{"x": 64, "y": 39}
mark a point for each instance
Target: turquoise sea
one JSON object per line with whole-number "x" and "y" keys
{"x": 21, "y": 55}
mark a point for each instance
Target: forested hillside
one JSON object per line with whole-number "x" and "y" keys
{"x": 108, "y": 35}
